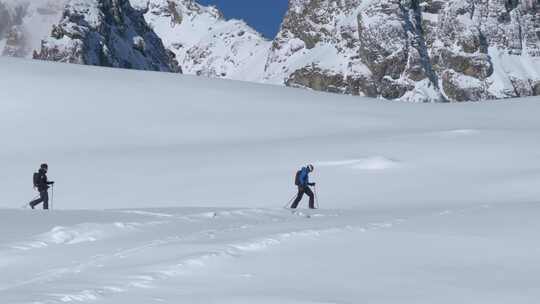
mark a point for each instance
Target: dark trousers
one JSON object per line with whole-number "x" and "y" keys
{"x": 43, "y": 198}
{"x": 301, "y": 191}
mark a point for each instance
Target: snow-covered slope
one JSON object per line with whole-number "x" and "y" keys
{"x": 185, "y": 177}
{"x": 124, "y": 139}
{"x": 204, "y": 42}
{"x": 259, "y": 256}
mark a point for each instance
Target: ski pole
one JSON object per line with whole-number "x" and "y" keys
{"x": 33, "y": 199}
{"x": 288, "y": 205}
{"x": 52, "y": 196}
{"x": 316, "y": 197}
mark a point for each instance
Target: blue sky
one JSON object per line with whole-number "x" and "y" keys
{"x": 263, "y": 15}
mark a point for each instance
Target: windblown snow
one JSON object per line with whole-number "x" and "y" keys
{"x": 170, "y": 188}
{"x": 29, "y": 21}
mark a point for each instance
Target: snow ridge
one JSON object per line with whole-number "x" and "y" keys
{"x": 416, "y": 51}
{"x": 204, "y": 42}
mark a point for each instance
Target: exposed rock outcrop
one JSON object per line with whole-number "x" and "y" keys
{"x": 414, "y": 50}
{"x": 411, "y": 50}
{"x": 107, "y": 33}
{"x": 204, "y": 42}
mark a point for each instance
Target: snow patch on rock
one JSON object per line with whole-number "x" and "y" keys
{"x": 205, "y": 43}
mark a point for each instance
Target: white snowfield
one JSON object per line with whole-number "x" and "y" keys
{"x": 170, "y": 188}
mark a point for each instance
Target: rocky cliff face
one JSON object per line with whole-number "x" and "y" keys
{"x": 125, "y": 34}
{"x": 317, "y": 47}
{"x": 410, "y": 50}
{"x": 487, "y": 49}
{"x": 414, "y": 50}
{"x": 204, "y": 42}
{"x": 107, "y": 33}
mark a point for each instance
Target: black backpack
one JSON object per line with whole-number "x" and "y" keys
{"x": 36, "y": 179}
{"x": 297, "y": 178}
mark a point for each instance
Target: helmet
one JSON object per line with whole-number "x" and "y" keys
{"x": 310, "y": 168}
{"x": 44, "y": 166}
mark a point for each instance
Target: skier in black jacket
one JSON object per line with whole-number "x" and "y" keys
{"x": 41, "y": 183}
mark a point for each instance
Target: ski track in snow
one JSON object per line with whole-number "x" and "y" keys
{"x": 150, "y": 276}
{"x": 92, "y": 232}
{"x": 88, "y": 232}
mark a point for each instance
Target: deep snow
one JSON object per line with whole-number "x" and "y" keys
{"x": 484, "y": 254}
{"x": 169, "y": 189}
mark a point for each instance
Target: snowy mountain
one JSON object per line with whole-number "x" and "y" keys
{"x": 106, "y": 33}
{"x": 317, "y": 47}
{"x": 204, "y": 42}
{"x": 115, "y": 33}
{"x": 414, "y": 50}
{"x": 411, "y": 50}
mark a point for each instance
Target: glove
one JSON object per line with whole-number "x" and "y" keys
{"x": 50, "y": 183}
{"x": 311, "y": 184}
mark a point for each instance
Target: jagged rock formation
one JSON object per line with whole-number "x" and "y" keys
{"x": 204, "y": 42}
{"x": 411, "y": 50}
{"x": 368, "y": 48}
{"x": 393, "y": 46}
{"x": 420, "y": 51}
{"x": 486, "y": 49}
{"x": 414, "y": 50}
{"x": 106, "y": 33}
{"x": 317, "y": 47}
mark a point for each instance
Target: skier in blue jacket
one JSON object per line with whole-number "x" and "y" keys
{"x": 303, "y": 184}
